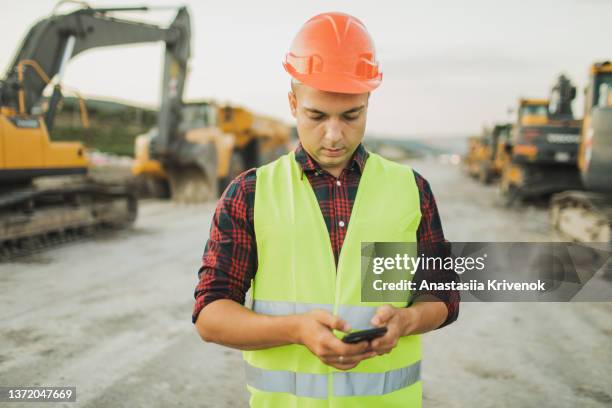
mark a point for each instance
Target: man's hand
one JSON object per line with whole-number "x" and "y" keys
{"x": 315, "y": 332}
{"x": 399, "y": 322}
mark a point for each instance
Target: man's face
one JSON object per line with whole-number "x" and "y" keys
{"x": 330, "y": 125}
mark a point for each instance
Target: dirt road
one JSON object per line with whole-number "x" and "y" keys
{"x": 112, "y": 317}
{"x": 512, "y": 354}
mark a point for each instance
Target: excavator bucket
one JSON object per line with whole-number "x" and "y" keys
{"x": 191, "y": 184}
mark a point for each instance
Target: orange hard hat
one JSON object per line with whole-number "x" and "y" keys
{"x": 334, "y": 52}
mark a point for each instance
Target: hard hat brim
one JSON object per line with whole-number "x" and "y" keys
{"x": 339, "y": 83}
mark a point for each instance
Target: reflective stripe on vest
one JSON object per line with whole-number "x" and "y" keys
{"x": 297, "y": 273}
{"x": 346, "y": 384}
{"x": 358, "y": 317}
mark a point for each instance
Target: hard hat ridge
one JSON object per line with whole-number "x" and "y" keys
{"x": 334, "y": 52}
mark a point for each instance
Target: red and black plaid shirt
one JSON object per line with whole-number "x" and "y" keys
{"x": 229, "y": 262}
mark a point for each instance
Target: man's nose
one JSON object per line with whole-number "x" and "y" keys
{"x": 333, "y": 130}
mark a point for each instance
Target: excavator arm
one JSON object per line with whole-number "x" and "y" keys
{"x": 53, "y": 41}
{"x": 562, "y": 95}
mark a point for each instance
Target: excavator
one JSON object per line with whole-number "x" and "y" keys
{"x": 230, "y": 140}
{"x": 544, "y": 148}
{"x": 46, "y": 193}
{"x": 586, "y": 216}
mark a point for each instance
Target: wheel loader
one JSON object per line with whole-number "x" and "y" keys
{"x": 488, "y": 154}
{"x": 228, "y": 139}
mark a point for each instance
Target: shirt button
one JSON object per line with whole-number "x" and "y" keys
{"x": 338, "y": 183}
{"x": 341, "y": 224}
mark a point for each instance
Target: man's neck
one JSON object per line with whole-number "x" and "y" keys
{"x": 336, "y": 171}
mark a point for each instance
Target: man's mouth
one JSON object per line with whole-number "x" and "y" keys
{"x": 333, "y": 152}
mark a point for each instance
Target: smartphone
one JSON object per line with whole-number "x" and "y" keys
{"x": 362, "y": 335}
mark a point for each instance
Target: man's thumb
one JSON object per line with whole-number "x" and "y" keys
{"x": 334, "y": 322}
{"x": 382, "y": 316}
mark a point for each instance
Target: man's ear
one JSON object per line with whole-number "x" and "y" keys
{"x": 292, "y": 103}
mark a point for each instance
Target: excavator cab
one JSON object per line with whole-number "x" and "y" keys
{"x": 603, "y": 84}
{"x": 533, "y": 112}
{"x": 595, "y": 160}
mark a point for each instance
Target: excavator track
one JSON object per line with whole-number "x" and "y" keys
{"x": 34, "y": 218}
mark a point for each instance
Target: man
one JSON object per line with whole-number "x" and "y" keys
{"x": 294, "y": 228}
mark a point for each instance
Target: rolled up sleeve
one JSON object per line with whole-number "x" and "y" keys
{"x": 229, "y": 261}
{"x": 431, "y": 243}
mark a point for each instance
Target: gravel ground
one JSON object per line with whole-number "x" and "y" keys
{"x": 512, "y": 354}
{"x": 111, "y": 316}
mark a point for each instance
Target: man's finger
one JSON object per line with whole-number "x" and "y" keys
{"x": 333, "y": 322}
{"x": 343, "y": 367}
{"x": 339, "y": 348}
{"x": 351, "y": 361}
{"x": 384, "y": 341}
{"x": 387, "y": 341}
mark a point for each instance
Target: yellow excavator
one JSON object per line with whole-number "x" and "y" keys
{"x": 229, "y": 140}
{"x": 544, "y": 148}
{"x": 46, "y": 195}
{"x": 586, "y": 216}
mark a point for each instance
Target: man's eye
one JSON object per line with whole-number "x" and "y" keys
{"x": 350, "y": 117}
{"x": 317, "y": 117}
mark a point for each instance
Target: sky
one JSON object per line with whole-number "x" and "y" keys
{"x": 449, "y": 67}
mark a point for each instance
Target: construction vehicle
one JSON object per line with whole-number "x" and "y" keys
{"x": 46, "y": 195}
{"x": 487, "y": 153}
{"x": 586, "y": 216}
{"x": 544, "y": 149}
{"x": 230, "y": 140}
{"x": 471, "y": 155}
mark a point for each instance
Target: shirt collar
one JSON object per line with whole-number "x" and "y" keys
{"x": 307, "y": 163}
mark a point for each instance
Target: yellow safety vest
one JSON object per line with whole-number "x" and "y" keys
{"x": 297, "y": 272}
